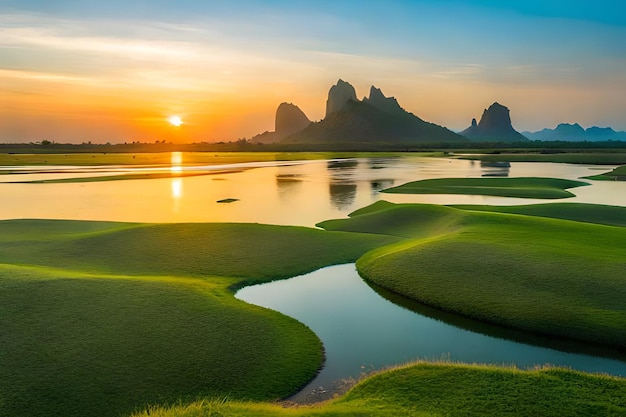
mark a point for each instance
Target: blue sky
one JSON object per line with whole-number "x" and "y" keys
{"x": 124, "y": 66}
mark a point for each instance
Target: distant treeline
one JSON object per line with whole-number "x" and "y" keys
{"x": 247, "y": 146}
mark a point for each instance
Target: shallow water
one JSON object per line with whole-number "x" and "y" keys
{"x": 292, "y": 193}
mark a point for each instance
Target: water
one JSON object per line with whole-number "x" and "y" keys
{"x": 361, "y": 328}
{"x": 290, "y": 193}
{"x": 363, "y": 331}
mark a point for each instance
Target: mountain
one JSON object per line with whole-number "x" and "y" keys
{"x": 494, "y": 126}
{"x": 339, "y": 95}
{"x": 576, "y": 133}
{"x": 375, "y": 119}
{"x": 289, "y": 119}
{"x": 386, "y": 104}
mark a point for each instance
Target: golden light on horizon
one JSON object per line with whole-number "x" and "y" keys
{"x": 175, "y": 120}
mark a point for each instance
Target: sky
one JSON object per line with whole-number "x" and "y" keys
{"x": 115, "y": 71}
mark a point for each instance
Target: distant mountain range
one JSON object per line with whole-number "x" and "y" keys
{"x": 576, "y": 133}
{"x": 378, "y": 118}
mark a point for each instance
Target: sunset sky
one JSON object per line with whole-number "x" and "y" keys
{"x": 78, "y": 71}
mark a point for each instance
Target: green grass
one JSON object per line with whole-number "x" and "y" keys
{"x": 543, "y": 275}
{"x": 618, "y": 174}
{"x": 446, "y": 390}
{"x": 581, "y": 212}
{"x": 188, "y": 158}
{"x": 100, "y": 319}
{"x": 543, "y": 188}
{"x": 141, "y": 176}
{"x": 599, "y": 158}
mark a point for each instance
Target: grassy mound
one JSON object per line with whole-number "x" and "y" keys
{"x": 101, "y": 319}
{"x": 545, "y": 188}
{"x": 580, "y": 212}
{"x": 451, "y": 390}
{"x": 402, "y": 220}
{"x": 543, "y": 275}
{"x": 618, "y": 174}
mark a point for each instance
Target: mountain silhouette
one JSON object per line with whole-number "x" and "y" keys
{"x": 338, "y": 95}
{"x": 494, "y": 126}
{"x": 375, "y": 119}
{"x": 576, "y": 133}
{"x": 289, "y": 119}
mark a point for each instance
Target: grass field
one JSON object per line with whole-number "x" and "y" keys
{"x": 580, "y": 212}
{"x": 599, "y": 158}
{"x": 105, "y": 319}
{"x": 544, "y": 188}
{"x": 188, "y": 158}
{"x": 98, "y": 319}
{"x": 140, "y": 176}
{"x": 428, "y": 390}
{"x": 618, "y": 174}
{"x": 544, "y": 275}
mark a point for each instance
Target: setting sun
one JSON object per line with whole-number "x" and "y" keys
{"x": 175, "y": 120}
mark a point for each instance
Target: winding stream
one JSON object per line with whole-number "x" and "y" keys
{"x": 363, "y": 331}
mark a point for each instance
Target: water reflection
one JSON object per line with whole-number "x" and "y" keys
{"x": 177, "y": 193}
{"x": 176, "y": 160}
{"x": 288, "y": 184}
{"x": 496, "y": 331}
{"x": 342, "y": 187}
{"x": 377, "y": 185}
{"x": 362, "y": 330}
{"x": 495, "y": 169}
{"x": 342, "y": 195}
{"x": 294, "y": 193}
{"x": 381, "y": 163}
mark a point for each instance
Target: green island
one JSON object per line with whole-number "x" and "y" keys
{"x": 542, "y": 188}
{"x": 580, "y": 212}
{"x": 618, "y": 174}
{"x": 543, "y": 275}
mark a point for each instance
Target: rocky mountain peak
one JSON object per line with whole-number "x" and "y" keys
{"x": 495, "y": 124}
{"x": 290, "y": 119}
{"x": 338, "y": 95}
{"x": 497, "y": 117}
{"x": 378, "y": 100}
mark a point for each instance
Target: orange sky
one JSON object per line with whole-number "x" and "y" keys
{"x": 78, "y": 75}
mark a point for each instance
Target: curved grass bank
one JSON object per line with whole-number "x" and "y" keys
{"x": 101, "y": 319}
{"x": 549, "y": 276}
{"x": 544, "y": 188}
{"x": 595, "y": 158}
{"x": 580, "y": 212}
{"x": 446, "y": 389}
{"x": 618, "y": 174}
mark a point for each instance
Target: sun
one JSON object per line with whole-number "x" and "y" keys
{"x": 175, "y": 120}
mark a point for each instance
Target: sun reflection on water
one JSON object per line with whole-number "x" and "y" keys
{"x": 176, "y": 160}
